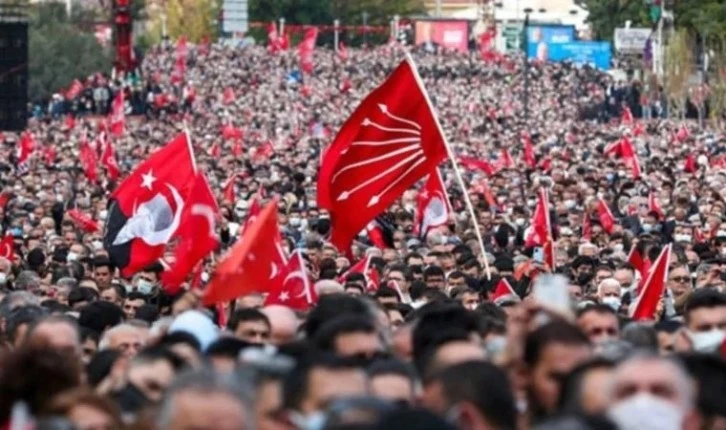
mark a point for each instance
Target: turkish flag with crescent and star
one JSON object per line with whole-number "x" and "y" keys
{"x": 392, "y": 140}
{"x": 108, "y": 157}
{"x": 197, "y": 237}
{"x": 433, "y": 207}
{"x": 146, "y": 209}
{"x": 250, "y": 264}
{"x": 7, "y": 247}
{"x": 294, "y": 288}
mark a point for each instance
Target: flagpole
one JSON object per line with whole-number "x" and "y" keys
{"x": 457, "y": 171}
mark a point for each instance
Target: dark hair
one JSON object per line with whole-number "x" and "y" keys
{"x": 158, "y": 352}
{"x": 667, "y": 326}
{"x": 598, "y": 308}
{"x": 410, "y": 418}
{"x": 392, "y": 366}
{"x": 244, "y": 315}
{"x": 709, "y": 371}
{"x": 296, "y": 384}
{"x": 101, "y": 364}
{"x": 483, "y": 385}
{"x": 457, "y": 274}
{"x": 180, "y": 337}
{"x": 87, "y": 333}
{"x": 551, "y": 333}
{"x": 330, "y": 307}
{"x": 416, "y": 290}
{"x": 355, "y": 277}
{"x": 35, "y": 375}
{"x": 326, "y": 338}
{"x": 21, "y": 316}
{"x": 405, "y": 270}
{"x": 100, "y": 315}
{"x": 228, "y": 347}
{"x": 411, "y": 255}
{"x": 571, "y": 395}
{"x": 102, "y": 261}
{"x": 384, "y": 291}
{"x": 135, "y": 295}
{"x": 354, "y": 285}
{"x": 82, "y": 294}
{"x": 641, "y": 336}
{"x": 147, "y": 312}
{"x": 433, "y": 271}
{"x": 703, "y": 298}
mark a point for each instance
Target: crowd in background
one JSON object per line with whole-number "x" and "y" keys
{"x": 88, "y": 349}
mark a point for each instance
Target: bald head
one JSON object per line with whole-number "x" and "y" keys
{"x": 284, "y": 323}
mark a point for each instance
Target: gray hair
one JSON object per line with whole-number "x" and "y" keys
{"x": 110, "y": 333}
{"x": 15, "y": 300}
{"x": 208, "y": 381}
{"x": 685, "y": 390}
{"x": 27, "y": 279}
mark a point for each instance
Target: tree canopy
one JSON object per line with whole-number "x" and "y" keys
{"x": 59, "y": 52}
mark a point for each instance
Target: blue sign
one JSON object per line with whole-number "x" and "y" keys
{"x": 541, "y": 37}
{"x": 597, "y": 54}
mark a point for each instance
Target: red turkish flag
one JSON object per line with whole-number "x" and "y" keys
{"x": 245, "y": 269}
{"x": 586, "y": 227}
{"x": 630, "y": 158}
{"x": 203, "y": 47}
{"x": 252, "y": 215}
{"x": 607, "y": 220}
{"x": 306, "y": 49}
{"x": 49, "y": 154}
{"x": 231, "y": 132}
{"x": 74, "y": 90}
{"x": 237, "y": 149}
{"x": 117, "y": 118}
{"x": 228, "y": 189}
{"x": 108, "y": 158}
{"x": 529, "y": 159}
{"x": 146, "y": 209}
{"x": 342, "y": 51}
{"x": 375, "y": 235}
{"x": 471, "y": 163}
{"x": 433, "y": 207}
{"x": 70, "y": 122}
{"x": 654, "y": 206}
{"x": 197, "y": 237}
{"x": 369, "y": 271}
{"x": 505, "y": 160}
{"x": 689, "y": 165}
{"x": 540, "y": 231}
{"x": 650, "y": 295}
{"x": 273, "y": 41}
{"x": 7, "y": 247}
{"x": 391, "y": 141}
{"x": 83, "y": 221}
{"x": 638, "y": 129}
{"x": 294, "y": 288}
{"x": 642, "y": 265}
{"x": 89, "y": 160}
{"x": 503, "y": 292}
{"x": 26, "y": 147}
{"x": 215, "y": 151}
{"x": 264, "y": 151}
{"x": 228, "y": 96}
{"x": 627, "y": 116}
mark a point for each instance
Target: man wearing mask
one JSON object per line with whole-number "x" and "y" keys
{"x": 609, "y": 292}
{"x": 705, "y": 320}
{"x": 652, "y": 393}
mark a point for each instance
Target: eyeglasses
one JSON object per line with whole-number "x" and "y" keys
{"x": 680, "y": 279}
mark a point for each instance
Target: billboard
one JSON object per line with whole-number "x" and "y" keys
{"x": 447, "y": 34}
{"x": 235, "y": 18}
{"x": 597, "y": 54}
{"x": 541, "y": 38}
{"x": 631, "y": 40}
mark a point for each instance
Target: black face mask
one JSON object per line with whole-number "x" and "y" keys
{"x": 584, "y": 278}
{"x": 323, "y": 226}
{"x": 130, "y": 398}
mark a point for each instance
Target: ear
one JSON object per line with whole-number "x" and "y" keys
{"x": 692, "y": 420}
{"x": 469, "y": 417}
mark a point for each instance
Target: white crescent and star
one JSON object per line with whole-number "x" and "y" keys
{"x": 147, "y": 180}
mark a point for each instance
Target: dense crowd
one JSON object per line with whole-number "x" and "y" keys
{"x": 87, "y": 349}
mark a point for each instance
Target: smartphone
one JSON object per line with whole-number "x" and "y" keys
{"x": 538, "y": 255}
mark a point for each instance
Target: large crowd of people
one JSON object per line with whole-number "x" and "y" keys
{"x": 85, "y": 348}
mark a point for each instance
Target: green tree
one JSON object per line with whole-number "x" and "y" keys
{"x": 605, "y": 16}
{"x": 59, "y": 52}
{"x": 678, "y": 71}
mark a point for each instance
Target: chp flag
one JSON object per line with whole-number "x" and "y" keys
{"x": 392, "y": 140}
{"x": 146, "y": 209}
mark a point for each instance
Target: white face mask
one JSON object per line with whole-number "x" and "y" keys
{"x": 645, "y": 411}
{"x": 686, "y": 238}
{"x": 144, "y": 287}
{"x": 72, "y": 256}
{"x": 97, "y": 245}
{"x": 647, "y": 227}
{"x": 102, "y": 215}
{"x": 3, "y": 278}
{"x": 707, "y": 341}
{"x": 613, "y": 302}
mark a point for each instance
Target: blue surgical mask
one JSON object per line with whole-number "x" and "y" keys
{"x": 145, "y": 287}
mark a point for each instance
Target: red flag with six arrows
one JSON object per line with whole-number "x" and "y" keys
{"x": 391, "y": 141}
